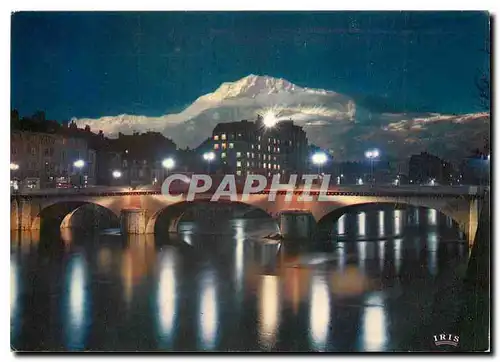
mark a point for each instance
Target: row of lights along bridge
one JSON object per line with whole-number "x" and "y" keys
{"x": 318, "y": 159}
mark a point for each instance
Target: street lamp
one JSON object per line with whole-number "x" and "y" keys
{"x": 117, "y": 174}
{"x": 79, "y": 164}
{"x": 372, "y": 155}
{"x": 14, "y": 183}
{"x": 209, "y": 157}
{"x": 319, "y": 159}
{"x": 168, "y": 164}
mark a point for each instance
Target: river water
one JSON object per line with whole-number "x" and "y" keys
{"x": 219, "y": 285}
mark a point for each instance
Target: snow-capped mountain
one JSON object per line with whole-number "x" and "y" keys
{"x": 242, "y": 99}
{"x": 331, "y": 120}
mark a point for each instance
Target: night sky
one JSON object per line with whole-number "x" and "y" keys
{"x": 99, "y": 64}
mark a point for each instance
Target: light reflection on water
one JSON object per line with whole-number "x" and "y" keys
{"x": 381, "y": 225}
{"x": 14, "y": 293}
{"x": 374, "y": 324}
{"x": 269, "y": 310}
{"x": 167, "y": 296}
{"x": 76, "y": 323}
{"x": 208, "y": 315}
{"x": 203, "y": 291}
{"x": 319, "y": 312}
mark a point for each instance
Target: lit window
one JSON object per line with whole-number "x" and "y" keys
{"x": 252, "y": 147}
{"x": 264, "y": 165}
{"x": 238, "y": 163}
{"x": 223, "y": 155}
{"x": 268, "y": 148}
{"x": 248, "y": 164}
{"x": 278, "y": 149}
{"x": 248, "y": 154}
{"x": 258, "y": 147}
{"x": 223, "y": 137}
{"x": 224, "y": 146}
{"x": 238, "y": 172}
{"x": 269, "y": 166}
{"x": 258, "y": 138}
{"x": 216, "y": 146}
{"x": 278, "y": 167}
{"x": 253, "y": 155}
{"x": 231, "y": 145}
{"x": 275, "y": 166}
{"x": 238, "y": 154}
{"x": 216, "y": 137}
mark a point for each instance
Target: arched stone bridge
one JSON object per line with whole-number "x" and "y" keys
{"x": 140, "y": 211}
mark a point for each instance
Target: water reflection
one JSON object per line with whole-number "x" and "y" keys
{"x": 449, "y": 222}
{"x": 381, "y": 254}
{"x": 397, "y": 222}
{"x": 432, "y": 247}
{"x": 397, "y": 254}
{"x": 432, "y": 216}
{"x": 229, "y": 290}
{"x": 361, "y": 254}
{"x": 362, "y": 224}
{"x": 167, "y": 296}
{"x": 269, "y": 310}
{"x": 104, "y": 260}
{"x": 78, "y": 303}
{"x": 381, "y": 226}
{"x": 208, "y": 322}
{"x": 239, "y": 255}
{"x": 319, "y": 313}
{"x": 341, "y": 225}
{"x": 374, "y": 324}
{"x": 341, "y": 257}
{"x": 14, "y": 293}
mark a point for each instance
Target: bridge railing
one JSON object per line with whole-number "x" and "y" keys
{"x": 348, "y": 190}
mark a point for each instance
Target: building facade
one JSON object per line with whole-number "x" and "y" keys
{"x": 44, "y": 160}
{"x": 141, "y": 156}
{"x": 246, "y": 147}
{"x": 427, "y": 169}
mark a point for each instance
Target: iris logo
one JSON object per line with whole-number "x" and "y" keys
{"x": 446, "y": 340}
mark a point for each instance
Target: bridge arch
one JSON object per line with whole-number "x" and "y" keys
{"x": 83, "y": 215}
{"x": 457, "y": 209}
{"x": 395, "y": 227}
{"x": 169, "y": 217}
{"x": 336, "y": 213}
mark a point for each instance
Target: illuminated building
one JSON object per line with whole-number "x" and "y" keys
{"x": 247, "y": 147}
{"x": 46, "y": 160}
